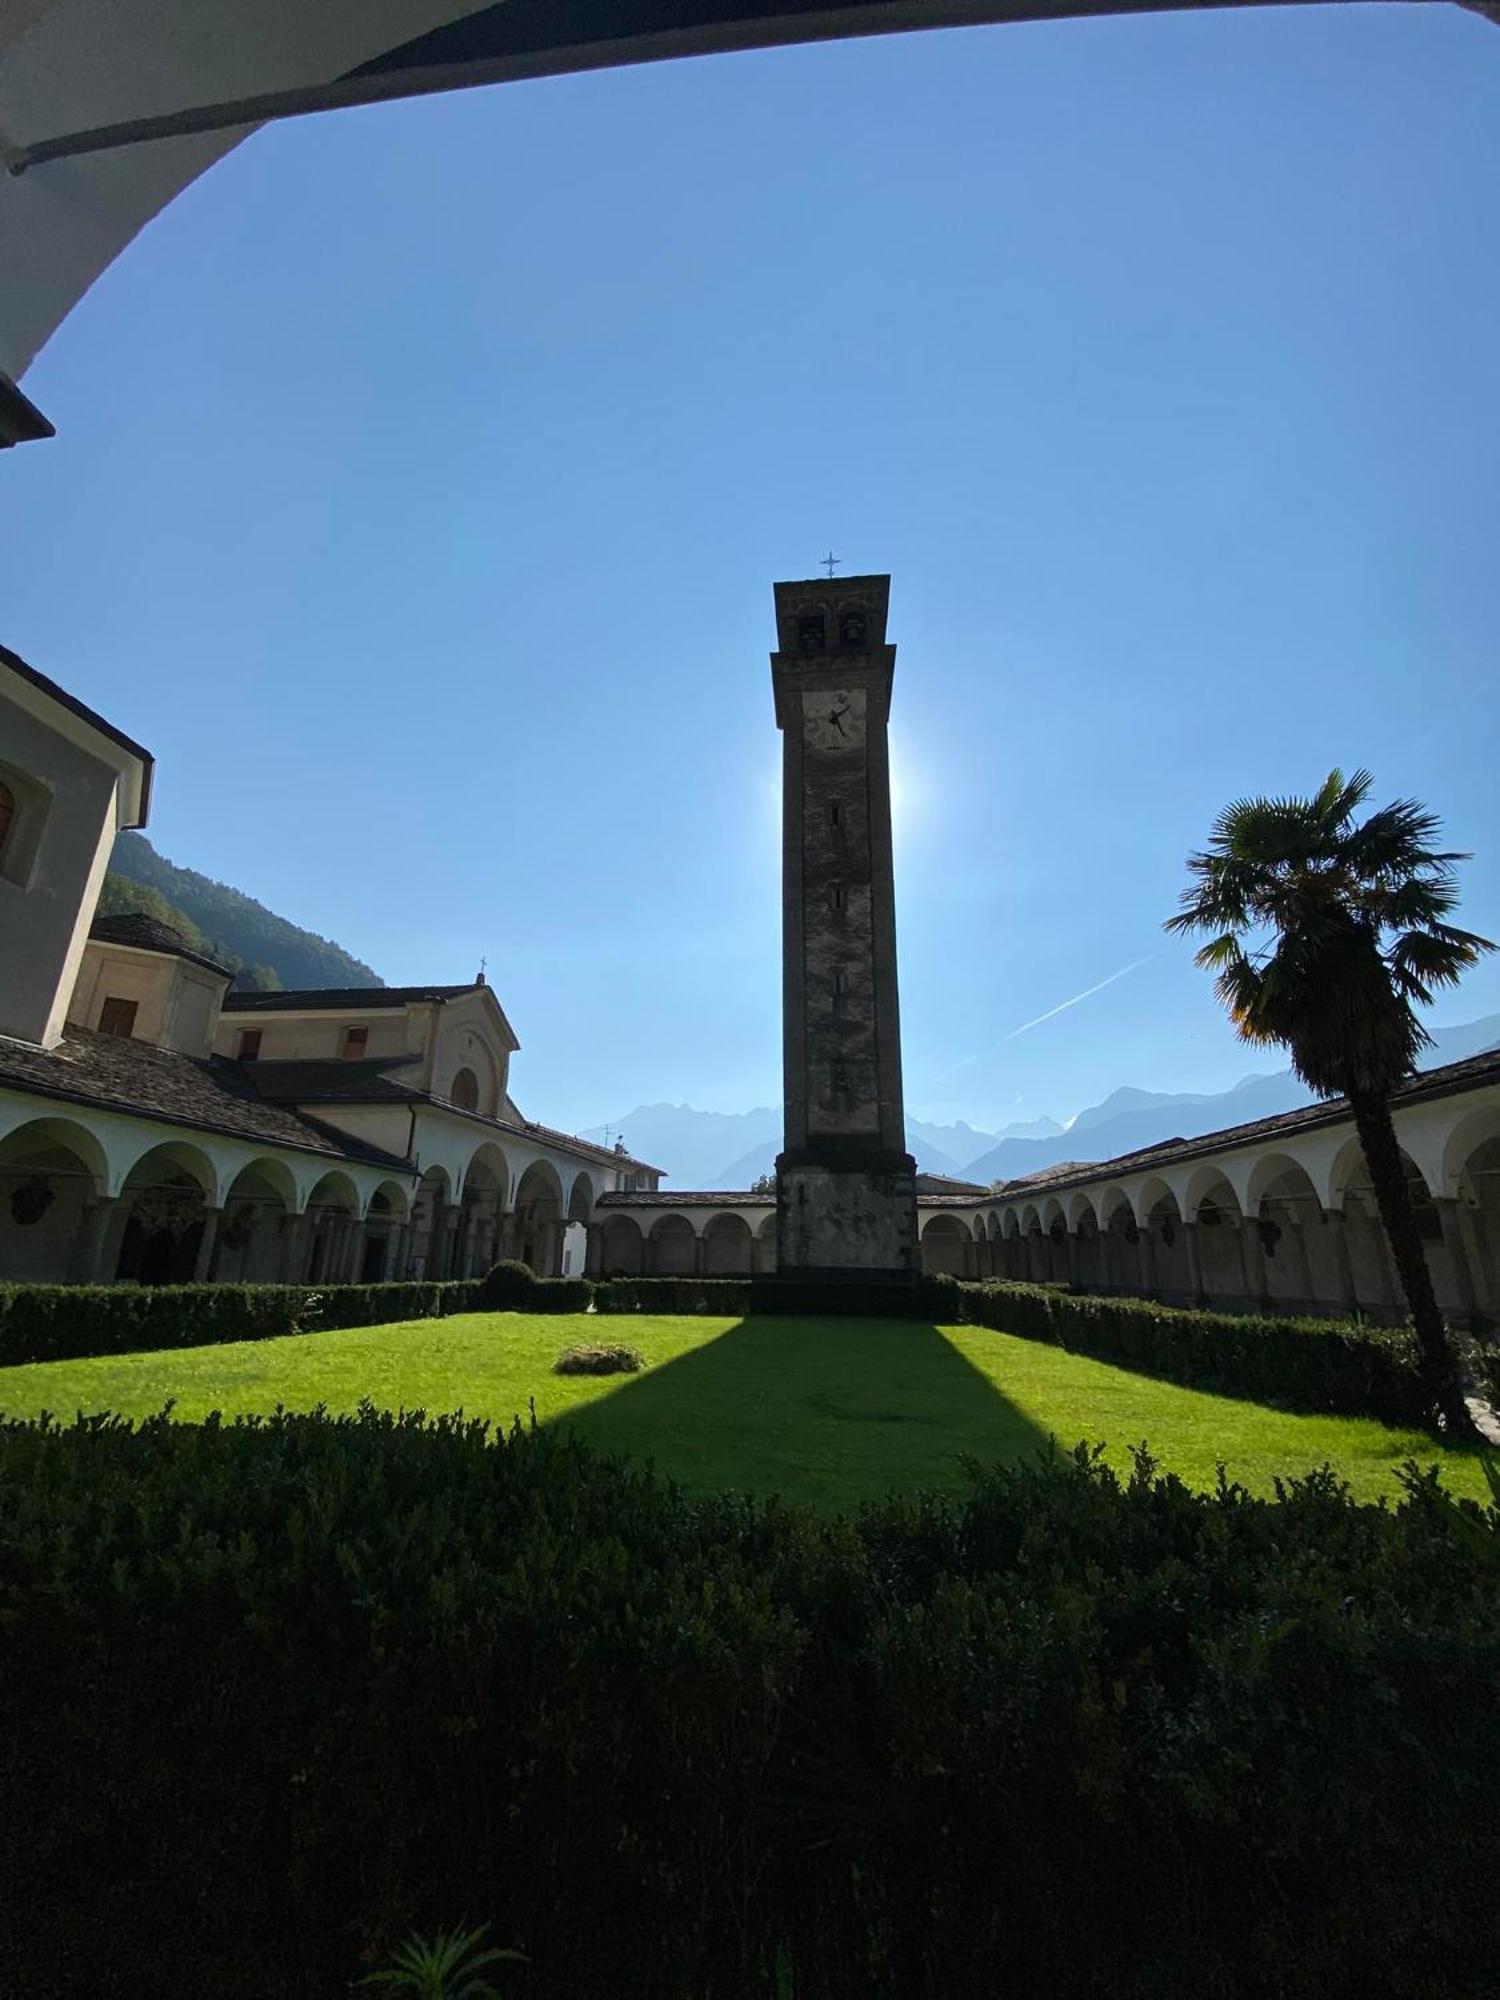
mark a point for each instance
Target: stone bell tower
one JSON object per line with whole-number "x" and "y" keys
{"x": 845, "y": 1185}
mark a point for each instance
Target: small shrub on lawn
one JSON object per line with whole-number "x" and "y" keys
{"x": 506, "y": 1286}
{"x": 599, "y": 1360}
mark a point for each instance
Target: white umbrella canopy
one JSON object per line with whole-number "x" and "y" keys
{"x": 109, "y": 108}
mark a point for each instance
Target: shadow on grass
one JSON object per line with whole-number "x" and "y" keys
{"x": 825, "y": 1411}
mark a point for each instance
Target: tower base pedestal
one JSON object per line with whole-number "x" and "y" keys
{"x": 846, "y": 1222}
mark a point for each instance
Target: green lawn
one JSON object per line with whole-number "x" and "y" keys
{"x": 826, "y": 1411}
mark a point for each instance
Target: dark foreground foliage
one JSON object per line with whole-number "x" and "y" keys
{"x": 277, "y": 1693}
{"x": 65, "y": 1322}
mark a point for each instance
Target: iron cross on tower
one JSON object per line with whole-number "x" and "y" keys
{"x": 829, "y": 561}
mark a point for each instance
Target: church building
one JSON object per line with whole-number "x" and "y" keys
{"x": 157, "y": 1127}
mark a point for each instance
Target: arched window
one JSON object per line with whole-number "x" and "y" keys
{"x": 465, "y": 1090}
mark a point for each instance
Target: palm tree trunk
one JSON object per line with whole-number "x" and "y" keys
{"x": 1442, "y": 1378}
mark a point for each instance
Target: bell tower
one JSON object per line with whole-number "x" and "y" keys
{"x": 845, "y": 1184}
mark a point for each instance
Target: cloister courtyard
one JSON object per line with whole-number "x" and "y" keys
{"x": 826, "y": 1412}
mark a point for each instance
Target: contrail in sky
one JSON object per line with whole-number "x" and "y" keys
{"x": 1063, "y": 1005}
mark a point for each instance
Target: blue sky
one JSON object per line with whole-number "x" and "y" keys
{"x": 423, "y": 472}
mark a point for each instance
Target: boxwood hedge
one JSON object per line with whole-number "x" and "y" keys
{"x": 59, "y": 1322}
{"x": 277, "y": 1692}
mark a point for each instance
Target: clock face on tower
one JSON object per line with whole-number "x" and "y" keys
{"x": 833, "y": 719}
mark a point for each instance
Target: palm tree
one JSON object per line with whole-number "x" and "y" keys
{"x": 1326, "y": 937}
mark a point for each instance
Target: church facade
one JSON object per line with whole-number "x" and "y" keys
{"x": 155, "y": 1126}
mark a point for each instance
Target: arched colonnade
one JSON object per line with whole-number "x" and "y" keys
{"x": 639, "y": 1237}
{"x": 1288, "y": 1225}
{"x": 89, "y": 1197}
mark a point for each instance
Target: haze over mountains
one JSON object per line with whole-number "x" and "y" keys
{"x": 715, "y": 1149}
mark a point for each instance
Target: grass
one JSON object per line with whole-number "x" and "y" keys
{"x": 829, "y": 1412}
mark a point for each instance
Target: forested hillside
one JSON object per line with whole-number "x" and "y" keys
{"x": 227, "y": 924}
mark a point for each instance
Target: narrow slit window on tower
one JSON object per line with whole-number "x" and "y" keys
{"x": 834, "y": 816}
{"x": 836, "y": 983}
{"x": 354, "y": 1042}
{"x": 836, "y": 897}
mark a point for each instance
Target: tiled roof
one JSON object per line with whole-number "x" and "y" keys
{"x": 147, "y": 933}
{"x": 321, "y": 1080}
{"x": 206, "y": 1092}
{"x": 679, "y": 1198}
{"x": 1444, "y": 1082}
{"x": 341, "y": 999}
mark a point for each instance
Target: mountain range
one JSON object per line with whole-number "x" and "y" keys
{"x": 715, "y": 1149}
{"x": 263, "y": 949}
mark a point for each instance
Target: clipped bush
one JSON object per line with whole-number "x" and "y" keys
{"x": 279, "y": 1693}
{"x": 1299, "y": 1364}
{"x": 66, "y": 1322}
{"x": 808, "y": 1298}
{"x": 506, "y": 1286}
{"x": 561, "y": 1295}
{"x": 599, "y": 1359}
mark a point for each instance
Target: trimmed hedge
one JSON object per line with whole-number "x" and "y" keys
{"x": 66, "y": 1322}
{"x": 1300, "y": 1364}
{"x": 277, "y": 1692}
{"x": 916, "y": 1298}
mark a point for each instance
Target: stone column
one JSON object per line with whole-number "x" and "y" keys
{"x": 1190, "y": 1228}
{"x": 403, "y": 1253}
{"x": 1485, "y": 1300}
{"x": 354, "y": 1261}
{"x": 1297, "y": 1230}
{"x": 88, "y": 1245}
{"x": 1464, "y": 1291}
{"x": 203, "y": 1262}
{"x": 437, "y": 1247}
{"x": 593, "y": 1262}
{"x": 1253, "y": 1261}
{"x": 1348, "y": 1296}
{"x": 1145, "y": 1251}
{"x": 294, "y": 1248}
{"x": 698, "y": 1250}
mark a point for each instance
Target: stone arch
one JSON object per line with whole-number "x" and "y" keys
{"x": 1478, "y": 1221}
{"x": 1087, "y": 1247}
{"x": 672, "y": 1247}
{"x": 539, "y": 1218}
{"x": 764, "y": 1248}
{"x": 252, "y": 1228}
{"x": 481, "y": 1209}
{"x": 1167, "y": 1269}
{"x": 624, "y": 1247}
{"x": 53, "y": 1172}
{"x": 944, "y": 1246}
{"x": 387, "y": 1214}
{"x": 581, "y": 1198}
{"x": 728, "y": 1246}
{"x": 1283, "y": 1208}
{"x": 164, "y": 1214}
{"x": 1469, "y": 1134}
{"x": 1081, "y": 1209}
{"x": 332, "y": 1227}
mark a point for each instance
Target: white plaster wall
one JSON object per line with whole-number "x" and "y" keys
{"x": 317, "y": 1035}
{"x": 45, "y": 916}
